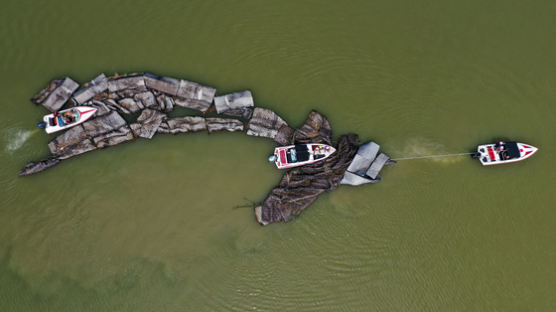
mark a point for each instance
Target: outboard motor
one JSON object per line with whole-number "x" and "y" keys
{"x": 272, "y": 158}
{"x": 41, "y": 125}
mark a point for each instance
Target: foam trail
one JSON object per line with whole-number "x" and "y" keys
{"x": 15, "y": 138}
{"x": 421, "y": 148}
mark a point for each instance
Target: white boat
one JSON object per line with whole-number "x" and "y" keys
{"x": 300, "y": 154}
{"x": 503, "y": 153}
{"x": 66, "y": 118}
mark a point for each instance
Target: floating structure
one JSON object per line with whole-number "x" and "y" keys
{"x": 366, "y": 166}
{"x": 151, "y": 97}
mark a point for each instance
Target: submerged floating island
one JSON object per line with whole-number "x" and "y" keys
{"x": 152, "y": 97}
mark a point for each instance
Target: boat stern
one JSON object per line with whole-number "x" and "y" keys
{"x": 486, "y": 154}
{"x": 281, "y": 160}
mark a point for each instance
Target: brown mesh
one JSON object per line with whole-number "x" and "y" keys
{"x": 301, "y": 186}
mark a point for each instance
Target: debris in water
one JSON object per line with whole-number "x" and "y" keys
{"x": 152, "y": 97}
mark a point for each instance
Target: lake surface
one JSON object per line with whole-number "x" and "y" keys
{"x": 151, "y": 225}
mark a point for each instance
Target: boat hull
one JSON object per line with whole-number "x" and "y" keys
{"x": 80, "y": 113}
{"x": 511, "y": 152}
{"x": 302, "y": 154}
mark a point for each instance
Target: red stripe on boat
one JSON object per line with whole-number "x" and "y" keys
{"x": 526, "y": 146}
{"x": 87, "y": 111}
{"x": 283, "y": 156}
{"x": 527, "y": 153}
{"x": 491, "y": 153}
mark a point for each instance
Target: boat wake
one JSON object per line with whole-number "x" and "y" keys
{"x": 15, "y": 138}
{"x": 416, "y": 148}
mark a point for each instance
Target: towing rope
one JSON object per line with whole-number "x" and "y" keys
{"x": 432, "y": 156}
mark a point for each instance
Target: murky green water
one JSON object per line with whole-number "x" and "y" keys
{"x": 150, "y": 225}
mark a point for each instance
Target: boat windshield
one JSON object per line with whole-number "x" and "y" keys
{"x": 302, "y": 152}
{"x": 512, "y": 149}
{"x": 298, "y": 153}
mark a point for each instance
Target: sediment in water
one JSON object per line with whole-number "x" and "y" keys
{"x": 152, "y": 97}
